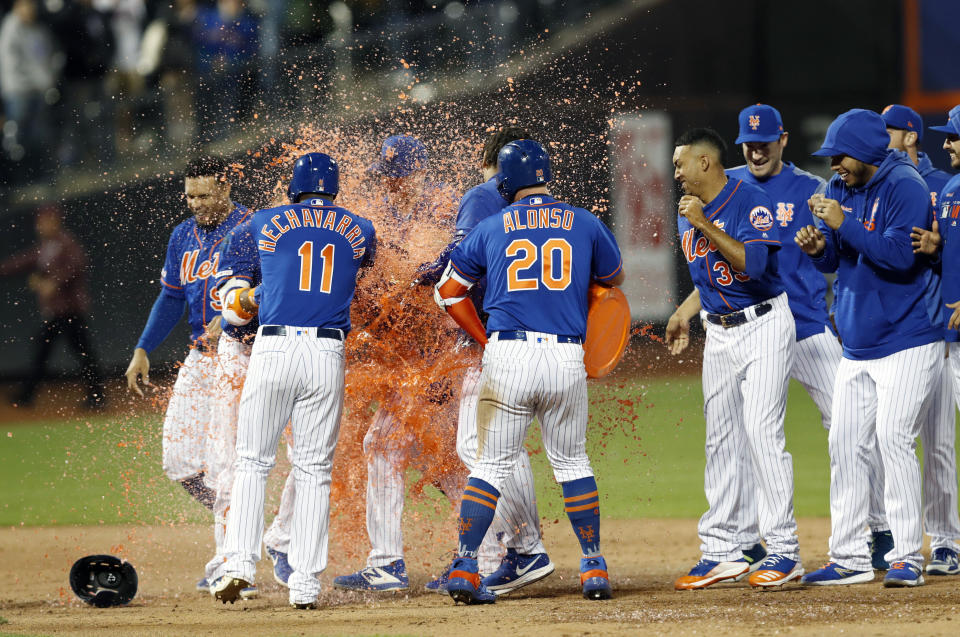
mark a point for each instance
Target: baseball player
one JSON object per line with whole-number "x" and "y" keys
{"x": 731, "y": 241}
{"x": 310, "y": 254}
{"x": 539, "y": 256}
{"x": 944, "y": 238}
{"x": 239, "y": 270}
{"x": 892, "y": 354}
{"x": 817, "y": 352}
{"x": 187, "y": 279}
{"x": 401, "y": 171}
{"x": 516, "y": 522}
{"x": 941, "y": 519}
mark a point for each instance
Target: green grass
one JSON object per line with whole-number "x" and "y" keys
{"x": 645, "y": 440}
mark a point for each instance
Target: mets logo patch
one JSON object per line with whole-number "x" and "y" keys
{"x": 754, "y": 122}
{"x": 761, "y": 218}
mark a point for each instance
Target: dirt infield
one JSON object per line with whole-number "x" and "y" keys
{"x": 644, "y": 555}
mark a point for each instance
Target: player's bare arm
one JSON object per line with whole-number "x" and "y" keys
{"x": 811, "y": 241}
{"x": 954, "y": 323}
{"x": 139, "y": 367}
{"x": 926, "y": 241}
{"x": 732, "y": 250}
{"x": 678, "y": 327}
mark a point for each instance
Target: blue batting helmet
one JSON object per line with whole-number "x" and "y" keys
{"x": 314, "y": 172}
{"x": 522, "y": 163}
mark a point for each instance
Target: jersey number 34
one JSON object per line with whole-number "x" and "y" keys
{"x": 306, "y": 267}
{"x": 554, "y": 257}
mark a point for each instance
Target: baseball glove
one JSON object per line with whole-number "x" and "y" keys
{"x": 103, "y": 580}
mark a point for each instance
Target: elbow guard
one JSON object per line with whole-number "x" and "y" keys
{"x": 451, "y": 288}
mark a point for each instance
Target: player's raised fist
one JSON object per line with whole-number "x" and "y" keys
{"x": 926, "y": 241}
{"x": 810, "y": 240}
{"x": 139, "y": 366}
{"x": 692, "y": 208}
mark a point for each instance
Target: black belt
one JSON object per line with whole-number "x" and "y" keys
{"x": 520, "y": 335}
{"x": 281, "y": 330}
{"x": 738, "y": 318}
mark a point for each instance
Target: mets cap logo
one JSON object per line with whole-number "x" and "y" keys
{"x": 761, "y": 218}
{"x": 390, "y": 152}
{"x": 539, "y": 173}
{"x": 754, "y": 122}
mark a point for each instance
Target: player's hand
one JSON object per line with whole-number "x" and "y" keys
{"x": 212, "y": 331}
{"x": 692, "y": 208}
{"x": 954, "y": 322}
{"x": 811, "y": 241}
{"x": 139, "y": 366}
{"x": 678, "y": 334}
{"x": 926, "y": 241}
{"x": 827, "y": 209}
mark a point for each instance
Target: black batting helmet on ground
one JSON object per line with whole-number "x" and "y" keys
{"x": 103, "y": 580}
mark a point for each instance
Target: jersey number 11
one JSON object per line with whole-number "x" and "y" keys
{"x": 306, "y": 267}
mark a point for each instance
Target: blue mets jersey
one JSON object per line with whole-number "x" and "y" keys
{"x": 805, "y": 286}
{"x": 948, "y": 218}
{"x": 477, "y": 204}
{"x": 936, "y": 179}
{"x": 193, "y": 258}
{"x": 744, "y": 212}
{"x": 239, "y": 259}
{"x": 310, "y": 254}
{"x": 539, "y": 256}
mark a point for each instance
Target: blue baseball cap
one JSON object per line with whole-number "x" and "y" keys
{"x": 952, "y": 127}
{"x": 760, "y": 123}
{"x": 859, "y": 133}
{"x": 903, "y": 118}
{"x": 400, "y": 155}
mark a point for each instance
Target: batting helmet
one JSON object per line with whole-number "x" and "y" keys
{"x": 522, "y": 163}
{"x": 103, "y": 580}
{"x": 314, "y": 172}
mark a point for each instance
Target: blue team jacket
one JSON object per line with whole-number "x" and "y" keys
{"x": 884, "y": 290}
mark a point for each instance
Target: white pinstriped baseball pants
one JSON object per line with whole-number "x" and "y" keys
{"x": 387, "y": 446}
{"x": 745, "y": 374}
{"x": 882, "y": 397}
{"x": 233, "y": 358}
{"x": 187, "y": 440}
{"x": 815, "y": 368}
{"x": 300, "y": 378}
{"x": 938, "y": 437}
{"x": 516, "y": 523}
{"x": 522, "y": 380}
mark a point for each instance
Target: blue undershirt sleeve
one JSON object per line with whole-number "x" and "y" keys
{"x": 164, "y": 316}
{"x": 756, "y": 254}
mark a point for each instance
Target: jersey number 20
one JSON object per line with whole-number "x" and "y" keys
{"x": 306, "y": 267}
{"x": 554, "y": 256}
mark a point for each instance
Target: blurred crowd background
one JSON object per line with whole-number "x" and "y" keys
{"x": 95, "y": 81}
{"x": 104, "y": 102}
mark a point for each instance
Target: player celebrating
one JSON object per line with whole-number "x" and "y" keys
{"x": 731, "y": 242}
{"x": 817, "y": 352}
{"x": 887, "y": 371}
{"x": 539, "y": 256}
{"x": 401, "y": 172}
{"x": 240, "y": 270}
{"x": 945, "y": 238}
{"x": 938, "y": 426}
{"x": 193, "y": 254}
{"x": 516, "y": 523}
{"x": 310, "y": 254}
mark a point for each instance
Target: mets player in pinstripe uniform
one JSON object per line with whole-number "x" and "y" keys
{"x": 389, "y": 444}
{"x": 311, "y": 252}
{"x": 731, "y": 241}
{"x": 190, "y": 447}
{"x": 817, "y": 351}
{"x": 943, "y": 244}
{"x": 892, "y": 341}
{"x": 516, "y": 523}
{"x": 539, "y": 256}
{"x": 240, "y": 270}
